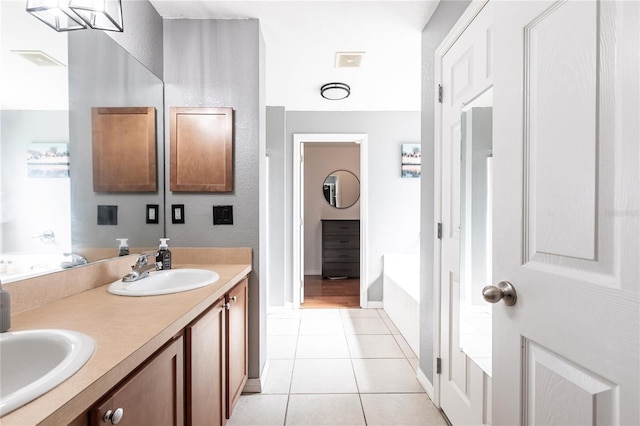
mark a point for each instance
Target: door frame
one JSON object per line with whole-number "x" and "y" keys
{"x": 298, "y": 199}
{"x": 456, "y": 31}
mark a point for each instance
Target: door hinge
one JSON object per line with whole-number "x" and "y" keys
{"x": 439, "y": 231}
{"x": 440, "y": 93}
{"x": 438, "y": 365}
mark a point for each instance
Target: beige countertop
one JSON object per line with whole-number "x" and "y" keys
{"x": 126, "y": 330}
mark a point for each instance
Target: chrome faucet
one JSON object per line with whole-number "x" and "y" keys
{"x": 76, "y": 260}
{"x": 142, "y": 268}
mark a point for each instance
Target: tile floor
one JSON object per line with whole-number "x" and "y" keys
{"x": 337, "y": 367}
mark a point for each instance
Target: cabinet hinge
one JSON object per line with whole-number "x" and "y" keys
{"x": 438, "y": 365}
{"x": 440, "y": 93}
{"x": 439, "y": 231}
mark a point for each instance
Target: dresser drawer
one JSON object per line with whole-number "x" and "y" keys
{"x": 341, "y": 227}
{"x": 351, "y": 270}
{"x": 342, "y": 242}
{"x": 341, "y": 255}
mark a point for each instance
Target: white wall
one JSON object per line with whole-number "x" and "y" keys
{"x": 319, "y": 162}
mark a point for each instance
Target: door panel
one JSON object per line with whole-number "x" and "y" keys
{"x": 566, "y": 221}
{"x": 466, "y": 73}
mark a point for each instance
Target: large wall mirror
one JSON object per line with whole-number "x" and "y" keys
{"x": 50, "y": 81}
{"x": 475, "y": 228}
{"x": 341, "y": 189}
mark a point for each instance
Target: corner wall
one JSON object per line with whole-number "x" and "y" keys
{"x": 219, "y": 63}
{"x": 394, "y": 202}
{"x": 443, "y": 19}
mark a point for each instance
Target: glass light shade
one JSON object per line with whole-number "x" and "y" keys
{"x": 56, "y": 14}
{"x": 335, "y": 91}
{"x": 99, "y": 14}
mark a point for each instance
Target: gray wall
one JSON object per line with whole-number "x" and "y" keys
{"x": 443, "y": 19}
{"x": 394, "y": 202}
{"x": 142, "y": 35}
{"x": 112, "y": 78}
{"x": 277, "y": 177}
{"x": 217, "y": 63}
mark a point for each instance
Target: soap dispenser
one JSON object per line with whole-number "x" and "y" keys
{"x": 164, "y": 255}
{"x": 123, "y": 248}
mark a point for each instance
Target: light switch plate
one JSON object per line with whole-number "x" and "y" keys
{"x": 223, "y": 215}
{"x": 177, "y": 213}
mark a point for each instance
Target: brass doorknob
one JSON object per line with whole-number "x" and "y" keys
{"x": 504, "y": 290}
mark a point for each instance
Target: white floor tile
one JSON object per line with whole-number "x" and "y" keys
{"x": 285, "y": 313}
{"x": 401, "y": 410}
{"x": 365, "y": 326}
{"x": 320, "y": 313}
{"x": 385, "y": 376}
{"x": 322, "y": 347}
{"x": 323, "y": 376}
{"x": 283, "y": 326}
{"x": 281, "y": 347}
{"x": 415, "y": 363}
{"x": 321, "y": 326}
{"x": 383, "y": 313}
{"x": 408, "y": 352}
{"x": 278, "y": 379}
{"x": 257, "y": 409}
{"x": 359, "y": 313}
{"x": 373, "y": 346}
{"x": 329, "y": 410}
{"x": 392, "y": 327}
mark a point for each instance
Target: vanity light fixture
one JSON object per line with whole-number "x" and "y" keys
{"x": 335, "y": 91}
{"x": 69, "y": 15}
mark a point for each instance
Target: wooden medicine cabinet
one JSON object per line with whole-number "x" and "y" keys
{"x": 201, "y": 157}
{"x": 124, "y": 149}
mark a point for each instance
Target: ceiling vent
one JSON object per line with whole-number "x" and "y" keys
{"x": 39, "y": 58}
{"x": 349, "y": 59}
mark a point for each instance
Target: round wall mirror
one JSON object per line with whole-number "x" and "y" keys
{"x": 341, "y": 189}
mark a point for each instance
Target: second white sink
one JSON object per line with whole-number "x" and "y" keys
{"x": 33, "y": 362}
{"x": 165, "y": 282}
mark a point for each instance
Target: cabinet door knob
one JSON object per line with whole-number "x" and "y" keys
{"x": 113, "y": 416}
{"x": 227, "y": 306}
{"x": 234, "y": 298}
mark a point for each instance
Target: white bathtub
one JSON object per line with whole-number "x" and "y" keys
{"x": 401, "y": 295}
{"x": 17, "y": 266}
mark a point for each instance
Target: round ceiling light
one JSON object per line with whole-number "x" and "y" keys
{"x": 335, "y": 91}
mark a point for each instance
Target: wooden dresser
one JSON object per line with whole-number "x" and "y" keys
{"x": 340, "y": 248}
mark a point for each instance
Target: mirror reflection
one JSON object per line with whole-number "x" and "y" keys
{"x": 48, "y": 209}
{"x": 475, "y": 229}
{"x": 341, "y": 189}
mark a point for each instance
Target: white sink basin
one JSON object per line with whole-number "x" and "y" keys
{"x": 165, "y": 282}
{"x": 32, "y": 362}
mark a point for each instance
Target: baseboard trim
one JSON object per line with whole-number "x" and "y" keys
{"x": 375, "y": 305}
{"x": 256, "y": 385}
{"x": 426, "y": 384}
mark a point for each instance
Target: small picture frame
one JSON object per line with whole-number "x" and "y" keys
{"x": 411, "y": 160}
{"x": 48, "y": 160}
{"x": 177, "y": 213}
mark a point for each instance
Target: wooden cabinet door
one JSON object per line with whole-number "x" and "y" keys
{"x": 154, "y": 395}
{"x": 237, "y": 338}
{"x": 201, "y": 141}
{"x": 205, "y": 368}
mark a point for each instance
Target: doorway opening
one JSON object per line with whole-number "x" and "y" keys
{"x": 329, "y": 220}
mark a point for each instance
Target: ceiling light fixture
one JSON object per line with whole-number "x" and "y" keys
{"x": 335, "y": 91}
{"x": 69, "y": 15}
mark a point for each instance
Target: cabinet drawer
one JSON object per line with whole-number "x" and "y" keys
{"x": 341, "y": 227}
{"x": 342, "y": 242}
{"x": 331, "y": 269}
{"x": 341, "y": 255}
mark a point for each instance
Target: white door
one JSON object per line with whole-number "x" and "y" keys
{"x": 466, "y": 73}
{"x": 566, "y": 212}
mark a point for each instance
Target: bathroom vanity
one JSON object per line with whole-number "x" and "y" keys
{"x": 174, "y": 359}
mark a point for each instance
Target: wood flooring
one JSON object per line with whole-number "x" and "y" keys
{"x": 321, "y": 293}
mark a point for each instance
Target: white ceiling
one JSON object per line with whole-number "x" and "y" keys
{"x": 302, "y": 38}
